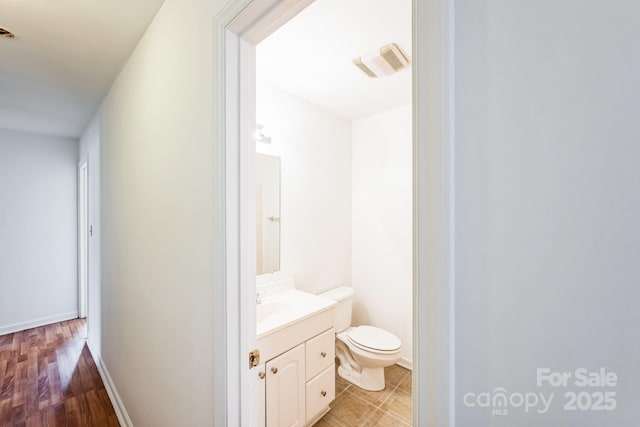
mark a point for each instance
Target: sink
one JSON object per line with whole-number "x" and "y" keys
{"x": 287, "y": 318}
{"x": 269, "y": 309}
{"x": 281, "y": 309}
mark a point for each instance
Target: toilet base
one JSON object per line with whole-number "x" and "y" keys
{"x": 351, "y": 370}
{"x": 371, "y": 379}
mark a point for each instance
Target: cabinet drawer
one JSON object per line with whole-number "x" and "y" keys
{"x": 320, "y": 391}
{"x": 320, "y": 353}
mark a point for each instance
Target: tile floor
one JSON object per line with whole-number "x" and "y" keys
{"x": 356, "y": 407}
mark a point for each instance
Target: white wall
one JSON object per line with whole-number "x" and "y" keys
{"x": 38, "y": 230}
{"x": 547, "y": 202}
{"x": 90, "y": 152}
{"x": 382, "y": 223}
{"x": 157, "y": 221}
{"x": 315, "y": 147}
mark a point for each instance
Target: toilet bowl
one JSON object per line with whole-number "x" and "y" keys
{"x": 363, "y": 351}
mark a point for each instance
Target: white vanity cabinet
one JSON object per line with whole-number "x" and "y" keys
{"x": 295, "y": 387}
{"x": 296, "y": 340}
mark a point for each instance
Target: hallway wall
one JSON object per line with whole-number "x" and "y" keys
{"x": 38, "y": 230}
{"x": 157, "y": 221}
{"x": 547, "y": 204}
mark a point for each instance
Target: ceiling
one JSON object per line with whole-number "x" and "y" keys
{"x": 65, "y": 56}
{"x": 311, "y": 56}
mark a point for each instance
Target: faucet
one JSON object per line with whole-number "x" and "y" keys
{"x": 259, "y": 296}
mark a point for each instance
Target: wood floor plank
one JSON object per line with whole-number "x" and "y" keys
{"x": 49, "y": 379}
{"x": 34, "y": 420}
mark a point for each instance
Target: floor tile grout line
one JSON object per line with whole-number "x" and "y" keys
{"x": 350, "y": 391}
{"x": 395, "y": 417}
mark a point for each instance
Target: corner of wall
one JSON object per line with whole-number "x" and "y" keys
{"x": 112, "y": 391}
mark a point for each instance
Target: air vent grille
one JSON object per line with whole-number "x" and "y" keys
{"x": 383, "y": 62}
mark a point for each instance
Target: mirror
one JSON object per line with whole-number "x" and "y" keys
{"x": 267, "y": 213}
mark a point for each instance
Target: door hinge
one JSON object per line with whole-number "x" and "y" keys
{"x": 254, "y": 358}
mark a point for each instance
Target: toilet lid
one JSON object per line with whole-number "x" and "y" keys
{"x": 372, "y": 338}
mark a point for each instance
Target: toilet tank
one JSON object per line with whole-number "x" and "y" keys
{"x": 343, "y": 295}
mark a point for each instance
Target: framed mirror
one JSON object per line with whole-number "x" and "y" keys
{"x": 267, "y": 213}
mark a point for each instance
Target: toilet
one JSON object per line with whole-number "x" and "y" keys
{"x": 363, "y": 351}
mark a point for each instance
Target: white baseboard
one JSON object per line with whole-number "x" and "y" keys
{"x": 17, "y": 327}
{"x": 319, "y": 415}
{"x": 118, "y": 405}
{"x": 405, "y": 362}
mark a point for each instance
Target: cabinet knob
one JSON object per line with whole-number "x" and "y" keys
{"x": 261, "y": 375}
{"x": 323, "y": 354}
{"x": 274, "y": 370}
{"x": 323, "y": 393}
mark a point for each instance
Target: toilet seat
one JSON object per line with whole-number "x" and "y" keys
{"x": 374, "y": 340}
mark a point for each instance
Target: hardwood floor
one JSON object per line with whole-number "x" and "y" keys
{"x": 48, "y": 378}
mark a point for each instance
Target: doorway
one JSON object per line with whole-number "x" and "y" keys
{"x": 83, "y": 238}
{"x": 238, "y": 28}
{"x": 344, "y": 142}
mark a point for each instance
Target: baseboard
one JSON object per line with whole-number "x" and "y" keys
{"x": 17, "y": 327}
{"x": 405, "y": 362}
{"x": 118, "y": 405}
{"x": 319, "y": 415}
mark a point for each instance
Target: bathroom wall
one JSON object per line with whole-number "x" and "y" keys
{"x": 382, "y": 223}
{"x": 90, "y": 151}
{"x": 346, "y": 205}
{"x": 38, "y": 230}
{"x": 547, "y": 204}
{"x": 315, "y": 147}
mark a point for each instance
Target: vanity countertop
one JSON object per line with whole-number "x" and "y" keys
{"x": 282, "y": 309}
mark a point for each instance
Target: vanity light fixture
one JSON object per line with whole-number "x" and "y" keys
{"x": 261, "y": 135}
{"x": 383, "y": 62}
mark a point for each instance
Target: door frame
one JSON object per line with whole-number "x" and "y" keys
{"x": 237, "y": 28}
{"x": 83, "y": 238}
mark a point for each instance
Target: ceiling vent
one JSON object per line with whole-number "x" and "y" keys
{"x": 388, "y": 60}
{"x": 6, "y": 34}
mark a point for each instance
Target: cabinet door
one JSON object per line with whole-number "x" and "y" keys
{"x": 286, "y": 389}
{"x": 261, "y": 396}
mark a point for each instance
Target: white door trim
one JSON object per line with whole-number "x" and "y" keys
{"x": 83, "y": 237}
{"x": 234, "y": 308}
{"x": 433, "y": 200}
{"x": 433, "y": 389}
